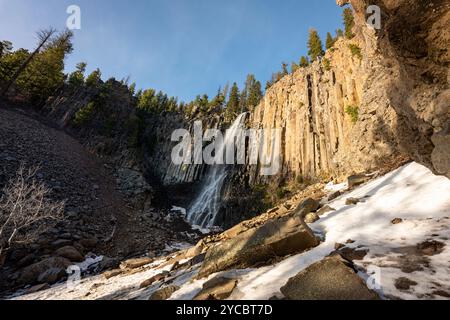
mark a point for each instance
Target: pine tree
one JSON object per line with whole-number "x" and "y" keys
{"x": 315, "y": 45}
{"x": 294, "y": 67}
{"x": 330, "y": 41}
{"x": 233, "y": 103}
{"x": 94, "y": 78}
{"x": 349, "y": 23}
{"x": 76, "y": 78}
{"x": 255, "y": 95}
{"x": 339, "y": 33}
{"x": 304, "y": 62}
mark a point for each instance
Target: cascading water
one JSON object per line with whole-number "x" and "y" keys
{"x": 204, "y": 209}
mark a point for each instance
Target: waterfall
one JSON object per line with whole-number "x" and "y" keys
{"x": 204, "y": 209}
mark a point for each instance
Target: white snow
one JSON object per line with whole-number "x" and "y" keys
{"x": 412, "y": 193}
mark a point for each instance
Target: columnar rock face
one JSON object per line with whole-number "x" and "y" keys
{"x": 318, "y": 137}
{"x": 397, "y": 89}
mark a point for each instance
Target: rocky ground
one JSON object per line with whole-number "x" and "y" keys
{"x": 100, "y": 218}
{"x": 379, "y": 236}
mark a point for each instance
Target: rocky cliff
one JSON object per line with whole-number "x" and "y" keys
{"x": 396, "y": 81}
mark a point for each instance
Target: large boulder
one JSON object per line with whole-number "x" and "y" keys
{"x": 276, "y": 238}
{"x": 330, "y": 279}
{"x": 441, "y": 153}
{"x": 70, "y": 253}
{"x": 39, "y": 272}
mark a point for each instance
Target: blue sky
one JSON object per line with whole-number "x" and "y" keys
{"x": 183, "y": 47}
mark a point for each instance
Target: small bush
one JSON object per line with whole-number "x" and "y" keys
{"x": 356, "y": 51}
{"x": 84, "y": 115}
{"x": 353, "y": 112}
{"x": 327, "y": 64}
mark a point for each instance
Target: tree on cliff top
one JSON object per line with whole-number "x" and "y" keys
{"x": 315, "y": 45}
{"x": 304, "y": 62}
{"x": 233, "y": 103}
{"x": 330, "y": 41}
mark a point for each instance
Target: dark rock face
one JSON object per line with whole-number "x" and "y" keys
{"x": 276, "y": 238}
{"x": 331, "y": 279}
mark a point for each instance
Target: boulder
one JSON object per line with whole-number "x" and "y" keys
{"x": 219, "y": 288}
{"x": 397, "y": 221}
{"x": 52, "y": 275}
{"x": 70, "y": 253}
{"x": 112, "y": 273}
{"x": 136, "y": 263}
{"x": 324, "y": 210}
{"x": 330, "y": 279}
{"x": 307, "y": 206}
{"x": 276, "y": 238}
{"x": 441, "y": 153}
{"x": 404, "y": 284}
{"x": 30, "y": 274}
{"x": 164, "y": 293}
{"x": 352, "y": 201}
{"x": 357, "y": 180}
{"x": 152, "y": 280}
{"x": 311, "y": 217}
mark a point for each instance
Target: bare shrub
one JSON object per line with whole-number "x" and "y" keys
{"x": 26, "y": 210}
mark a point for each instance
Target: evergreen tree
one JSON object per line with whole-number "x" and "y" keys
{"x": 330, "y": 41}
{"x": 294, "y": 67}
{"x": 255, "y": 95}
{"x": 315, "y": 45}
{"x": 349, "y": 23}
{"x": 339, "y": 33}
{"x": 132, "y": 88}
{"x": 93, "y": 80}
{"x": 304, "y": 62}
{"x": 76, "y": 78}
{"x": 233, "y": 103}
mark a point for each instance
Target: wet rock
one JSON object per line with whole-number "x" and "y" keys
{"x": 164, "y": 293}
{"x": 330, "y": 279}
{"x": 219, "y": 288}
{"x": 281, "y": 237}
{"x": 70, "y": 253}
{"x": 404, "y": 284}
{"x": 397, "y": 221}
